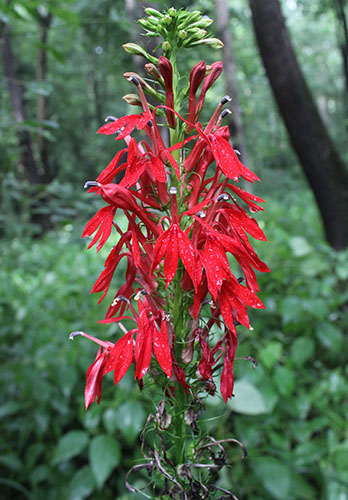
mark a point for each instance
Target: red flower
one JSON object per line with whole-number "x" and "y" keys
{"x": 165, "y": 67}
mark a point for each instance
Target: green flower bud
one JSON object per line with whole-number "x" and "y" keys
{"x": 134, "y": 49}
{"x": 153, "y": 12}
{"x": 182, "y": 34}
{"x": 215, "y": 43}
{"x": 167, "y": 19}
{"x": 153, "y": 72}
{"x": 172, "y": 12}
{"x": 132, "y": 99}
{"x": 205, "y": 22}
{"x": 166, "y": 46}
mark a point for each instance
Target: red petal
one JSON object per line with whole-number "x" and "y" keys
{"x": 158, "y": 169}
{"x": 227, "y": 379}
{"x": 94, "y": 378}
{"x": 121, "y": 356}
{"x": 143, "y": 351}
{"x": 172, "y": 258}
{"x": 189, "y": 257}
{"x": 161, "y": 348}
{"x": 180, "y": 377}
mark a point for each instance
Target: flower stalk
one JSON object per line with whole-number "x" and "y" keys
{"x": 185, "y": 227}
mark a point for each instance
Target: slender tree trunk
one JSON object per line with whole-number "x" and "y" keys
{"x": 343, "y": 45}
{"x": 322, "y": 165}
{"x": 41, "y": 74}
{"x": 230, "y": 75}
{"x": 28, "y": 163}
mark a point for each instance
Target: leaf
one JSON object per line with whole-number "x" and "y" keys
{"x": 301, "y": 350}
{"x": 70, "y": 445}
{"x": 104, "y": 456}
{"x": 284, "y": 379}
{"x": 274, "y": 475}
{"x": 248, "y": 400}
{"x": 330, "y": 337}
{"x": 82, "y": 484}
{"x": 270, "y": 354}
{"x": 130, "y": 419}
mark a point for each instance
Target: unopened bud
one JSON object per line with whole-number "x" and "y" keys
{"x": 153, "y": 12}
{"x": 153, "y": 71}
{"x": 172, "y": 12}
{"x": 129, "y": 74}
{"x": 167, "y": 19}
{"x": 166, "y": 46}
{"x": 205, "y": 22}
{"x": 182, "y": 34}
{"x": 132, "y": 99}
{"x": 214, "y": 43}
{"x": 136, "y": 50}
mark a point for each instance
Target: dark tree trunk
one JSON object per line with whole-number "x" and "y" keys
{"x": 33, "y": 157}
{"x": 322, "y": 165}
{"x": 28, "y": 162}
{"x": 343, "y": 46}
{"x": 41, "y": 73}
{"x": 235, "y": 119}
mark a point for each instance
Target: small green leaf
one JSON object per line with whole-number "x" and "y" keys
{"x": 271, "y": 354}
{"x": 284, "y": 380}
{"x": 274, "y": 475}
{"x": 302, "y": 349}
{"x": 82, "y": 484}
{"x": 300, "y": 246}
{"x": 130, "y": 419}
{"x": 330, "y": 337}
{"x": 104, "y": 456}
{"x": 248, "y": 400}
{"x": 69, "y": 445}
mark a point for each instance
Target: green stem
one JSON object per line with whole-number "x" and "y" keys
{"x": 179, "y": 424}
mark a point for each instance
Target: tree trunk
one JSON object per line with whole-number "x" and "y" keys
{"x": 41, "y": 74}
{"x": 235, "y": 120}
{"x": 27, "y": 159}
{"x": 343, "y": 46}
{"x": 322, "y": 165}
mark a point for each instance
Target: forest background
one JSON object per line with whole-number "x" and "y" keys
{"x": 61, "y": 75}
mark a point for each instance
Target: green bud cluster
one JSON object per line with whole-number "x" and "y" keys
{"x": 177, "y": 28}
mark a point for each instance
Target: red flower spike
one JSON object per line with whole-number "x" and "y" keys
{"x": 160, "y": 240}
